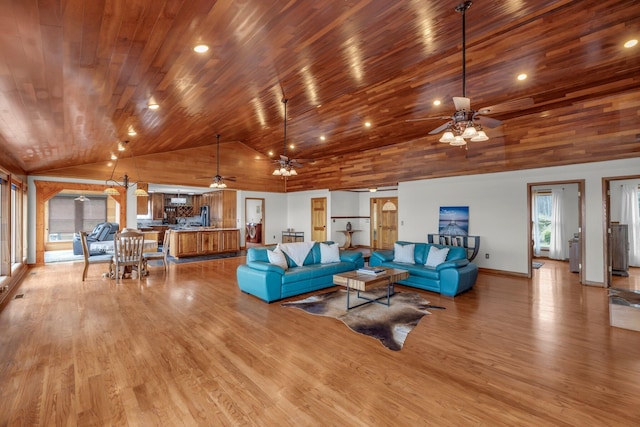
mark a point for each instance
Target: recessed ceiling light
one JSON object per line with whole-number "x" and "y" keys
{"x": 630, "y": 43}
{"x": 270, "y": 153}
{"x": 367, "y": 124}
{"x": 522, "y": 76}
{"x": 322, "y": 138}
{"x": 436, "y": 102}
{"x": 292, "y": 146}
{"x": 114, "y": 157}
{"x": 201, "y": 48}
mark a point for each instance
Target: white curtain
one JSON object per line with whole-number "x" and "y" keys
{"x": 536, "y": 227}
{"x": 630, "y": 215}
{"x": 557, "y": 247}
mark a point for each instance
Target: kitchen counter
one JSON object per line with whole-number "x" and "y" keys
{"x": 195, "y": 241}
{"x": 195, "y": 229}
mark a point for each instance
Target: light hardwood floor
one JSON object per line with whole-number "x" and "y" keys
{"x": 188, "y": 348}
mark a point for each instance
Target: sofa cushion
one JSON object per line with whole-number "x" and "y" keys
{"x": 277, "y": 257}
{"x": 403, "y": 253}
{"x": 436, "y": 256}
{"x": 329, "y": 253}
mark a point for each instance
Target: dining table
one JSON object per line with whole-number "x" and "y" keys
{"x": 107, "y": 248}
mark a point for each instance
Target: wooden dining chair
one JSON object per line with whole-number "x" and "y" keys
{"x": 159, "y": 255}
{"x": 95, "y": 259}
{"x": 127, "y": 252}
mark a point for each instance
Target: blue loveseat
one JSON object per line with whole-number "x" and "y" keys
{"x": 451, "y": 277}
{"x": 270, "y": 282}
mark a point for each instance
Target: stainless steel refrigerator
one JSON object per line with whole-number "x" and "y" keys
{"x": 205, "y": 218}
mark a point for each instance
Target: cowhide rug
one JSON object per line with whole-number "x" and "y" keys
{"x": 389, "y": 325}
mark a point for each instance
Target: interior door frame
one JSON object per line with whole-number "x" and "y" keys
{"x": 606, "y": 222}
{"x": 262, "y": 232}
{"x": 581, "y": 211}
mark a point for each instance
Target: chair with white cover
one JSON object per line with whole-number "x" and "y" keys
{"x": 127, "y": 252}
{"x": 159, "y": 255}
{"x": 95, "y": 259}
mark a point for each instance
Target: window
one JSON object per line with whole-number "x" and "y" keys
{"x": 542, "y": 205}
{"x": 68, "y": 216}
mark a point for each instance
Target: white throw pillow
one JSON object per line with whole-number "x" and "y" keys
{"x": 329, "y": 253}
{"x": 403, "y": 253}
{"x": 277, "y": 257}
{"x": 436, "y": 256}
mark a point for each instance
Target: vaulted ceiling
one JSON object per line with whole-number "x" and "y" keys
{"x": 76, "y": 76}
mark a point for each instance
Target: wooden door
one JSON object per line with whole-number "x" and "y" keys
{"x": 319, "y": 219}
{"x": 384, "y": 222}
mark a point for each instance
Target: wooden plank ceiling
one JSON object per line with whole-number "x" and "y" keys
{"x": 76, "y": 76}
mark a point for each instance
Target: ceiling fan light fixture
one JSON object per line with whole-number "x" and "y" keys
{"x": 458, "y": 141}
{"x": 293, "y": 172}
{"x": 276, "y": 172}
{"x": 447, "y": 137}
{"x": 481, "y": 136}
{"x": 470, "y": 131}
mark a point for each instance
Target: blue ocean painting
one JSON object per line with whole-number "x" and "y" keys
{"x": 454, "y": 220}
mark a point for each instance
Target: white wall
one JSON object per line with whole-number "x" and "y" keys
{"x": 497, "y": 210}
{"x": 299, "y": 211}
{"x": 274, "y": 215}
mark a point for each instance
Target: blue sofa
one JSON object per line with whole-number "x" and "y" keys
{"x": 270, "y": 282}
{"x": 104, "y": 231}
{"x": 452, "y": 277}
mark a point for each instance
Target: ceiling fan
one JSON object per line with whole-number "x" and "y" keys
{"x": 82, "y": 198}
{"x": 465, "y": 123}
{"x": 286, "y": 165}
{"x": 218, "y": 181}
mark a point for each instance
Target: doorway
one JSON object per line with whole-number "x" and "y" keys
{"x": 564, "y": 221}
{"x": 254, "y": 216}
{"x": 384, "y": 222}
{"x": 618, "y": 271}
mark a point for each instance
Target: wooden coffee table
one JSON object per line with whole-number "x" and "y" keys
{"x": 363, "y": 282}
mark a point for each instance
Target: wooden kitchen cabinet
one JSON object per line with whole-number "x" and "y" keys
{"x": 184, "y": 244}
{"x": 196, "y": 202}
{"x": 204, "y": 242}
{"x": 209, "y": 242}
{"x": 143, "y": 202}
{"x": 230, "y": 240}
{"x": 157, "y": 206}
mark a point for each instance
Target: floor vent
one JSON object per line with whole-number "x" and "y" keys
{"x": 19, "y": 296}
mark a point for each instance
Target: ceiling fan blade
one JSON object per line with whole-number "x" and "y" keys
{"x": 439, "y": 128}
{"x": 488, "y": 121}
{"x": 295, "y": 163}
{"x": 508, "y": 106}
{"x": 229, "y": 178}
{"x": 283, "y": 158}
{"x": 428, "y": 118}
{"x": 462, "y": 103}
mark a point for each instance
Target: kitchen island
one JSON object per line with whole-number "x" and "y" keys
{"x": 195, "y": 241}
